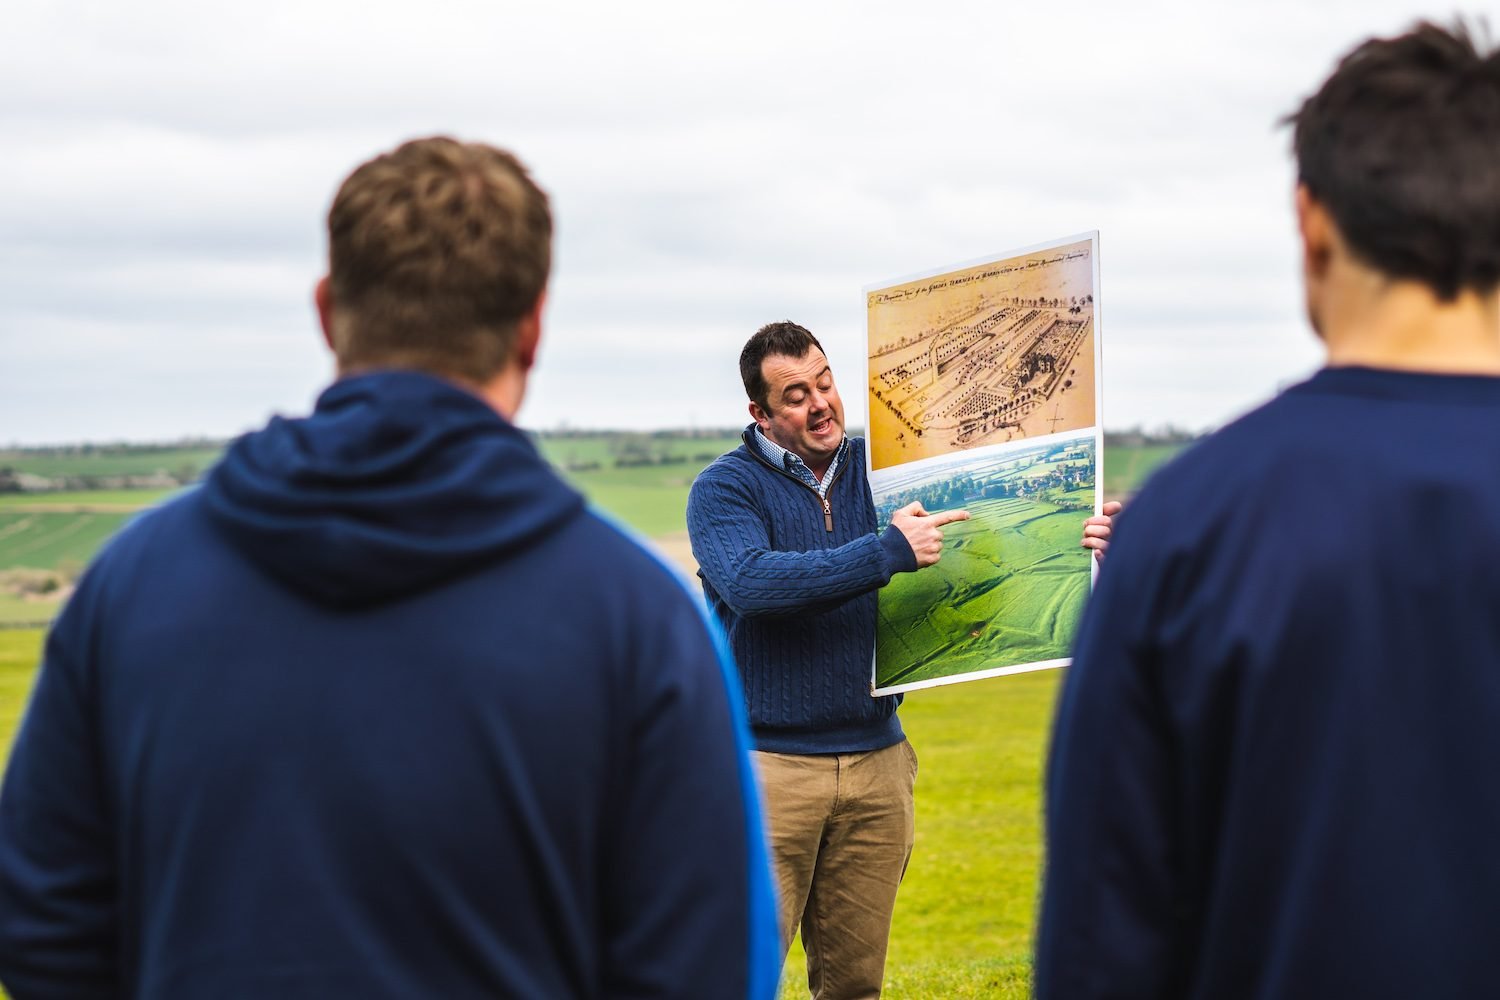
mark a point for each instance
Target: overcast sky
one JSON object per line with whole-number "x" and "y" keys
{"x": 165, "y": 169}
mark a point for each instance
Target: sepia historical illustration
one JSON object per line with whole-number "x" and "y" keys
{"x": 989, "y": 353}
{"x": 983, "y": 396}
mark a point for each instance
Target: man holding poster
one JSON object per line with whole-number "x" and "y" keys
{"x": 785, "y": 534}
{"x": 1272, "y": 772}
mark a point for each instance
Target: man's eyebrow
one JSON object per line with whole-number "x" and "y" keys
{"x": 804, "y": 384}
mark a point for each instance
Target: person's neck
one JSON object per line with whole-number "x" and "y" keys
{"x": 505, "y": 391}
{"x": 1375, "y": 322}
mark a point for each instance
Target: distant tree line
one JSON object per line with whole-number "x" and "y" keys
{"x": 1137, "y": 437}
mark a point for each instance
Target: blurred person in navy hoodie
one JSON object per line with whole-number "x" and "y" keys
{"x": 382, "y": 710}
{"x": 1273, "y": 765}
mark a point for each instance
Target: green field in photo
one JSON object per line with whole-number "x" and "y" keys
{"x": 1009, "y": 590}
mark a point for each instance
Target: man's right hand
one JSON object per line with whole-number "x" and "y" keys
{"x": 1097, "y": 529}
{"x": 924, "y": 531}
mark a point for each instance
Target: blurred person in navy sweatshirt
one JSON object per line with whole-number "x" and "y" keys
{"x": 383, "y": 710}
{"x": 1273, "y": 767}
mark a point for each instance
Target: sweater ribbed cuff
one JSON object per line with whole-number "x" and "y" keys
{"x": 899, "y": 557}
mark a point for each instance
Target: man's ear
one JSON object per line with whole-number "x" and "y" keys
{"x": 323, "y": 299}
{"x": 1315, "y": 226}
{"x": 529, "y": 333}
{"x": 759, "y": 415}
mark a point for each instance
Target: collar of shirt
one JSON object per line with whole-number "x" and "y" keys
{"x": 783, "y": 459}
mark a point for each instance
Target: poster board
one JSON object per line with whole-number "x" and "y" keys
{"x": 983, "y": 392}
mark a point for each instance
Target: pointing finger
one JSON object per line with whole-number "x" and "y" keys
{"x": 947, "y": 517}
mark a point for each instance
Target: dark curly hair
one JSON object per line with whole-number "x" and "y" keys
{"x": 1402, "y": 146}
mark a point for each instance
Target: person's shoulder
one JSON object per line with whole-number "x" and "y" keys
{"x": 1230, "y": 454}
{"x": 1240, "y": 475}
{"x": 143, "y": 549}
{"x": 649, "y": 602}
{"x": 622, "y": 561}
{"x": 734, "y": 468}
{"x": 159, "y": 530}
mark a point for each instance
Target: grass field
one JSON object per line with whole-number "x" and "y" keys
{"x": 28, "y": 611}
{"x": 1125, "y": 469}
{"x": 83, "y": 500}
{"x": 20, "y": 651}
{"x": 603, "y": 450}
{"x": 63, "y": 530}
{"x": 1008, "y": 590}
{"x": 135, "y": 461}
{"x": 54, "y": 539}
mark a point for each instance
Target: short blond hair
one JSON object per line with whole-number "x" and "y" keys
{"x": 435, "y": 251}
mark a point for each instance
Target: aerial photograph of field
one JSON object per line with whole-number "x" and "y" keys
{"x": 986, "y": 354}
{"x": 1011, "y": 584}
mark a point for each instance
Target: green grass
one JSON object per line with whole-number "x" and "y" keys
{"x": 54, "y": 540}
{"x": 32, "y": 612}
{"x": 965, "y": 914}
{"x": 651, "y": 499}
{"x": 134, "y": 461}
{"x": 85, "y": 499}
{"x": 20, "y": 652}
{"x": 605, "y": 449}
{"x": 1009, "y": 590}
{"x": 1127, "y": 469}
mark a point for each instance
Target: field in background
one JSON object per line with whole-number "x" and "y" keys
{"x": 58, "y": 540}
{"x": 1126, "y": 467}
{"x": 964, "y": 920}
{"x": 642, "y": 479}
{"x": 113, "y": 460}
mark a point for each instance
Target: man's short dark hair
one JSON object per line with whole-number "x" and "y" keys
{"x": 1402, "y": 146}
{"x": 783, "y": 338}
{"x": 435, "y": 251}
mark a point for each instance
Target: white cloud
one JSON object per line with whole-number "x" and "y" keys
{"x": 713, "y": 167}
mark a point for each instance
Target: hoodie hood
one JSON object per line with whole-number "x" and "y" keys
{"x": 396, "y": 483}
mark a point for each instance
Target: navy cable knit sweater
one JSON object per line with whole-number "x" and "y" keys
{"x": 797, "y": 598}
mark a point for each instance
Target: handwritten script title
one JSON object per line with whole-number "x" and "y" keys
{"x": 1010, "y": 267}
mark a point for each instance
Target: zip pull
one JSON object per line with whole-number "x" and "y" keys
{"x": 827, "y": 515}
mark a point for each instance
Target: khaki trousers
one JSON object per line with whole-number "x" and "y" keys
{"x": 841, "y": 828}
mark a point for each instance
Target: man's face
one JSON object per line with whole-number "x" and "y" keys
{"x": 804, "y": 413}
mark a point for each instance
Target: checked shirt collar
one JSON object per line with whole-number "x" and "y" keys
{"x": 783, "y": 459}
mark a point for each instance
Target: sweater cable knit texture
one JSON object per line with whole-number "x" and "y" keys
{"x": 797, "y": 600}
